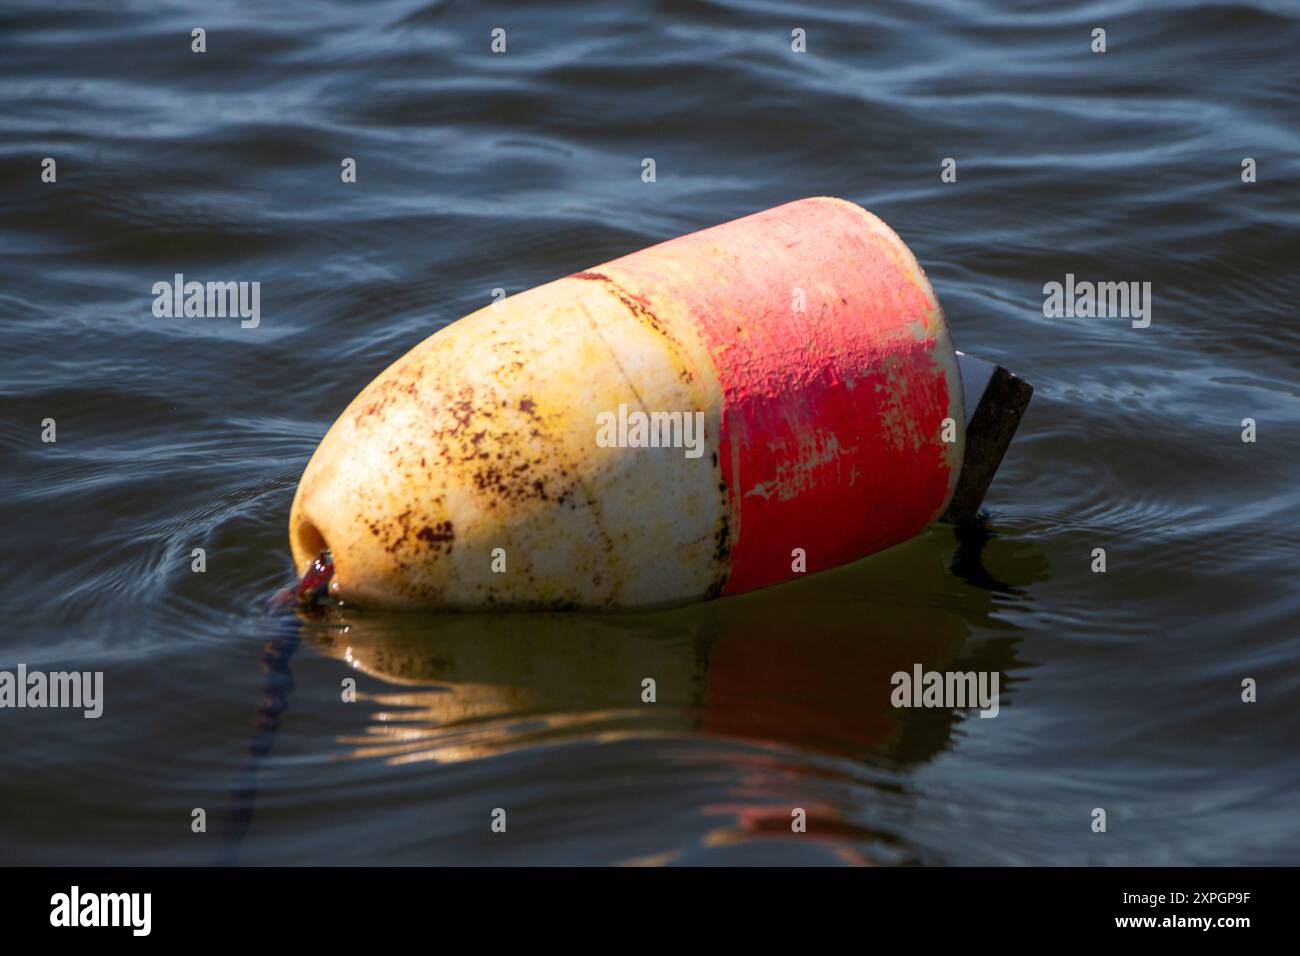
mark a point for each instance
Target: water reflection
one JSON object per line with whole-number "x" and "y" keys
{"x": 805, "y": 665}
{"x": 765, "y": 706}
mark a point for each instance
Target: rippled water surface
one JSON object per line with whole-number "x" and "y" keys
{"x": 476, "y": 171}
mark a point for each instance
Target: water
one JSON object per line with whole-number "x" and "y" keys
{"x": 1120, "y": 690}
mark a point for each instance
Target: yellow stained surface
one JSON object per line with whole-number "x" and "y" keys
{"x": 484, "y": 437}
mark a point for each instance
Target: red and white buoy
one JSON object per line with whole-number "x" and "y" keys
{"x": 713, "y": 414}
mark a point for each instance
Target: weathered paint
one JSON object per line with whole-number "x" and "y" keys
{"x": 822, "y": 427}
{"x": 483, "y": 437}
{"x": 831, "y": 416}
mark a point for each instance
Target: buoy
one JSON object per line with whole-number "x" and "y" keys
{"x": 762, "y": 399}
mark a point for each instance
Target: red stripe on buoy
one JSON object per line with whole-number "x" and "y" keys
{"x": 831, "y": 420}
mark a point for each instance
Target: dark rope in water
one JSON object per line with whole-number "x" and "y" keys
{"x": 305, "y": 596}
